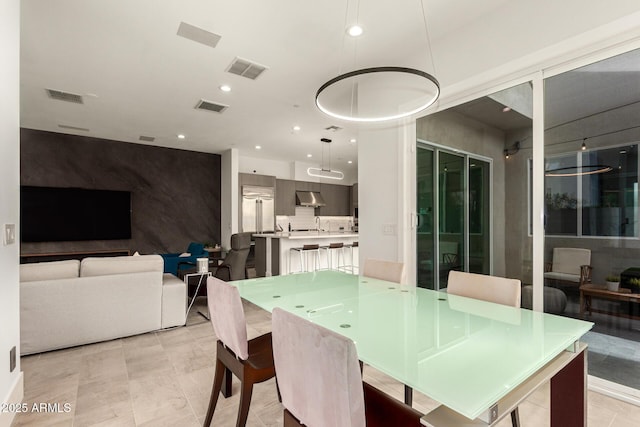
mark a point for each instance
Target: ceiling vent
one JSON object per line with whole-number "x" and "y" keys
{"x": 198, "y": 35}
{"x": 73, "y": 128}
{"x": 64, "y": 96}
{"x": 211, "y": 106}
{"x": 245, "y": 68}
{"x": 147, "y": 138}
{"x": 333, "y": 128}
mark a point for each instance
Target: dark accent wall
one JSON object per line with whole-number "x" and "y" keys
{"x": 175, "y": 194}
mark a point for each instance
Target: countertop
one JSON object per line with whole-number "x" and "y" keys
{"x": 307, "y": 234}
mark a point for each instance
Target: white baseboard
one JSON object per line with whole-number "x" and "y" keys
{"x": 15, "y": 396}
{"x": 617, "y": 391}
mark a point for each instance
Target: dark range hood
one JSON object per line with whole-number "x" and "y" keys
{"x": 309, "y": 198}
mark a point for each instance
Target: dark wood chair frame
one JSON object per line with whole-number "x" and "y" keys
{"x": 381, "y": 410}
{"x": 258, "y": 367}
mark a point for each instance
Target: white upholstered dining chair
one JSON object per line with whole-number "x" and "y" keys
{"x": 499, "y": 290}
{"x": 384, "y": 270}
{"x": 251, "y": 361}
{"x": 320, "y": 380}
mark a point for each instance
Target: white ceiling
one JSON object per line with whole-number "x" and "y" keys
{"x": 138, "y": 77}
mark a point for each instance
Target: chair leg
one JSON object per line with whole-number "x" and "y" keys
{"x": 245, "y": 400}
{"x": 215, "y": 391}
{"x": 278, "y": 390}
{"x": 228, "y": 376}
{"x": 408, "y": 395}
{"x": 515, "y": 418}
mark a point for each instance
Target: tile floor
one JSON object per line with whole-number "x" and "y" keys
{"x": 164, "y": 379}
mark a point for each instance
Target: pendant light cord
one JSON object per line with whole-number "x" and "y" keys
{"x": 426, "y": 32}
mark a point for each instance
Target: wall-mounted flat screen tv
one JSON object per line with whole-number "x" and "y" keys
{"x": 53, "y": 214}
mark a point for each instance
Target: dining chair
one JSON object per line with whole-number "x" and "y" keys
{"x": 499, "y": 290}
{"x": 384, "y": 270}
{"x": 249, "y": 360}
{"x": 320, "y": 380}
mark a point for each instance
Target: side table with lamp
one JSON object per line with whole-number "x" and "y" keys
{"x": 202, "y": 271}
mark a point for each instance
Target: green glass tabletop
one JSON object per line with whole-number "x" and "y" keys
{"x": 463, "y": 353}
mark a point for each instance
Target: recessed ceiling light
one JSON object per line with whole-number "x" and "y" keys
{"x": 225, "y": 88}
{"x": 296, "y": 128}
{"x": 309, "y": 155}
{"x": 354, "y": 30}
{"x": 353, "y": 140}
{"x": 506, "y": 109}
{"x": 258, "y": 147}
{"x": 181, "y": 136}
{"x": 623, "y": 151}
{"x": 349, "y": 162}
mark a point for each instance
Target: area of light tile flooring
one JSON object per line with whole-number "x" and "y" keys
{"x": 164, "y": 379}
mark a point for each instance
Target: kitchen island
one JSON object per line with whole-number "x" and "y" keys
{"x": 273, "y": 249}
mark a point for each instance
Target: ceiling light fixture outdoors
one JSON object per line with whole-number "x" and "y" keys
{"x": 258, "y": 147}
{"x": 515, "y": 147}
{"x": 225, "y": 88}
{"x": 506, "y": 109}
{"x": 584, "y": 145}
{"x": 296, "y": 128}
{"x": 323, "y": 172}
{"x": 309, "y": 155}
{"x": 353, "y": 140}
{"x": 377, "y": 94}
{"x": 181, "y": 136}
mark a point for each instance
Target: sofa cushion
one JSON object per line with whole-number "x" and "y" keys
{"x": 49, "y": 270}
{"x": 562, "y": 276}
{"x": 174, "y": 301}
{"x": 120, "y": 265}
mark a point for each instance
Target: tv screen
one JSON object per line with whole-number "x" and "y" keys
{"x": 52, "y": 214}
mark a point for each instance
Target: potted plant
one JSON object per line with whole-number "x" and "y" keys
{"x": 635, "y": 285}
{"x": 613, "y": 283}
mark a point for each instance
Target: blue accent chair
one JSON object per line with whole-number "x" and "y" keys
{"x": 172, "y": 262}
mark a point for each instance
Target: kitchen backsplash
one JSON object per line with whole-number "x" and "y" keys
{"x": 304, "y": 219}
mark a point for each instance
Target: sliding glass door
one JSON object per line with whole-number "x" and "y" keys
{"x": 453, "y": 209}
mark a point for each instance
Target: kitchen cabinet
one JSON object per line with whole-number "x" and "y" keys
{"x": 285, "y": 197}
{"x": 337, "y": 200}
{"x": 307, "y": 186}
{"x": 257, "y": 180}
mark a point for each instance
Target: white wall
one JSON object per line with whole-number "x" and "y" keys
{"x": 10, "y": 382}
{"x": 278, "y": 168}
{"x": 384, "y": 195}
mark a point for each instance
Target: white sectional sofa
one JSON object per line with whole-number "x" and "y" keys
{"x": 69, "y": 303}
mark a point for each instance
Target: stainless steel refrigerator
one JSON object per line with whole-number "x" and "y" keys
{"x": 258, "y": 209}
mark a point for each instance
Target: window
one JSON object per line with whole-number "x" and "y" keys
{"x": 609, "y": 200}
{"x": 593, "y": 193}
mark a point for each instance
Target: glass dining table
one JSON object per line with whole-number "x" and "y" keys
{"x": 478, "y": 359}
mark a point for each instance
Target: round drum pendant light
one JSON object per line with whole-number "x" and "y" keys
{"x": 377, "y": 94}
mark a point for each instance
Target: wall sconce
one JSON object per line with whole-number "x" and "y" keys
{"x": 515, "y": 147}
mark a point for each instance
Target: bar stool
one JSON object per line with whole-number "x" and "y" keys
{"x": 338, "y": 250}
{"x": 304, "y": 252}
{"x": 353, "y": 266}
